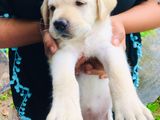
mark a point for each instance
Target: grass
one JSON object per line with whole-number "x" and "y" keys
{"x": 155, "y": 108}
{"x": 5, "y": 97}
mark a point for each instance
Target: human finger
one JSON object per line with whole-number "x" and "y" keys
{"x": 80, "y": 61}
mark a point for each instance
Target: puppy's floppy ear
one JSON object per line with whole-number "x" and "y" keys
{"x": 45, "y": 12}
{"x": 105, "y": 7}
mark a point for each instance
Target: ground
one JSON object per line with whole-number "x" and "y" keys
{"x": 7, "y": 110}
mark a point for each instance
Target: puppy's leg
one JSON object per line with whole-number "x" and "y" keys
{"x": 66, "y": 105}
{"x": 126, "y": 104}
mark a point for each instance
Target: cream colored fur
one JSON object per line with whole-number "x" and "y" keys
{"x": 86, "y": 97}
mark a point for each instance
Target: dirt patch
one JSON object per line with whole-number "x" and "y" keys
{"x": 7, "y": 110}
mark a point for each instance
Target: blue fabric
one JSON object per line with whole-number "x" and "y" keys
{"x": 135, "y": 69}
{"x": 23, "y": 91}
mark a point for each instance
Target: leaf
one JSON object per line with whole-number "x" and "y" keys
{"x": 157, "y": 118}
{"x": 153, "y": 106}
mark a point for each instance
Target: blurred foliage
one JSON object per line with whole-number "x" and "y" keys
{"x": 5, "y": 51}
{"x": 6, "y": 96}
{"x": 148, "y": 33}
{"x": 155, "y": 108}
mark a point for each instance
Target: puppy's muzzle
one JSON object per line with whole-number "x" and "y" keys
{"x": 62, "y": 27}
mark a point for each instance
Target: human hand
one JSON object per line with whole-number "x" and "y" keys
{"x": 91, "y": 66}
{"x": 50, "y": 44}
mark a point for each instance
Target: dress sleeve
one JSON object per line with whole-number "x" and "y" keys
{"x": 5, "y": 9}
{"x": 139, "y": 1}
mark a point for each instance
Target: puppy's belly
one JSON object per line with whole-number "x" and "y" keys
{"x": 95, "y": 98}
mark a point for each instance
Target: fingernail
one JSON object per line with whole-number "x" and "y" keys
{"x": 116, "y": 41}
{"x": 52, "y": 49}
{"x": 103, "y": 76}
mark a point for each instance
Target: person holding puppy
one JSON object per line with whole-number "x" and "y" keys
{"x": 29, "y": 72}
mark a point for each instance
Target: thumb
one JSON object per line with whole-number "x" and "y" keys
{"x": 118, "y": 38}
{"x": 115, "y": 40}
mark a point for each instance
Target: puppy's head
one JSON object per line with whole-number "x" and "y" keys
{"x": 69, "y": 19}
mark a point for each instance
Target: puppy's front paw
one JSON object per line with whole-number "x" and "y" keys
{"x": 65, "y": 110}
{"x": 131, "y": 109}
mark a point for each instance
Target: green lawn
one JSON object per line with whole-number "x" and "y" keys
{"x": 155, "y": 108}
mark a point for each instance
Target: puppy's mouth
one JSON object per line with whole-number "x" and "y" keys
{"x": 69, "y": 36}
{"x": 63, "y": 35}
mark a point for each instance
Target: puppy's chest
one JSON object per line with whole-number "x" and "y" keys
{"x": 97, "y": 39}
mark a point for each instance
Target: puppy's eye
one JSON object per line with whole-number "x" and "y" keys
{"x": 79, "y": 3}
{"x": 52, "y": 8}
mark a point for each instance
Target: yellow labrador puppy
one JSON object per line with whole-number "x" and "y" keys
{"x": 84, "y": 26}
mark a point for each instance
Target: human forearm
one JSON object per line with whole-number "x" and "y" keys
{"x": 141, "y": 17}
{"x": 15, "y": 33}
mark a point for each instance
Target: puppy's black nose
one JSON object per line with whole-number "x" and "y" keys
{"x": 61, "y": 25}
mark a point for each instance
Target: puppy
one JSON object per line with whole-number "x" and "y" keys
{"x": 84, "y": 26}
